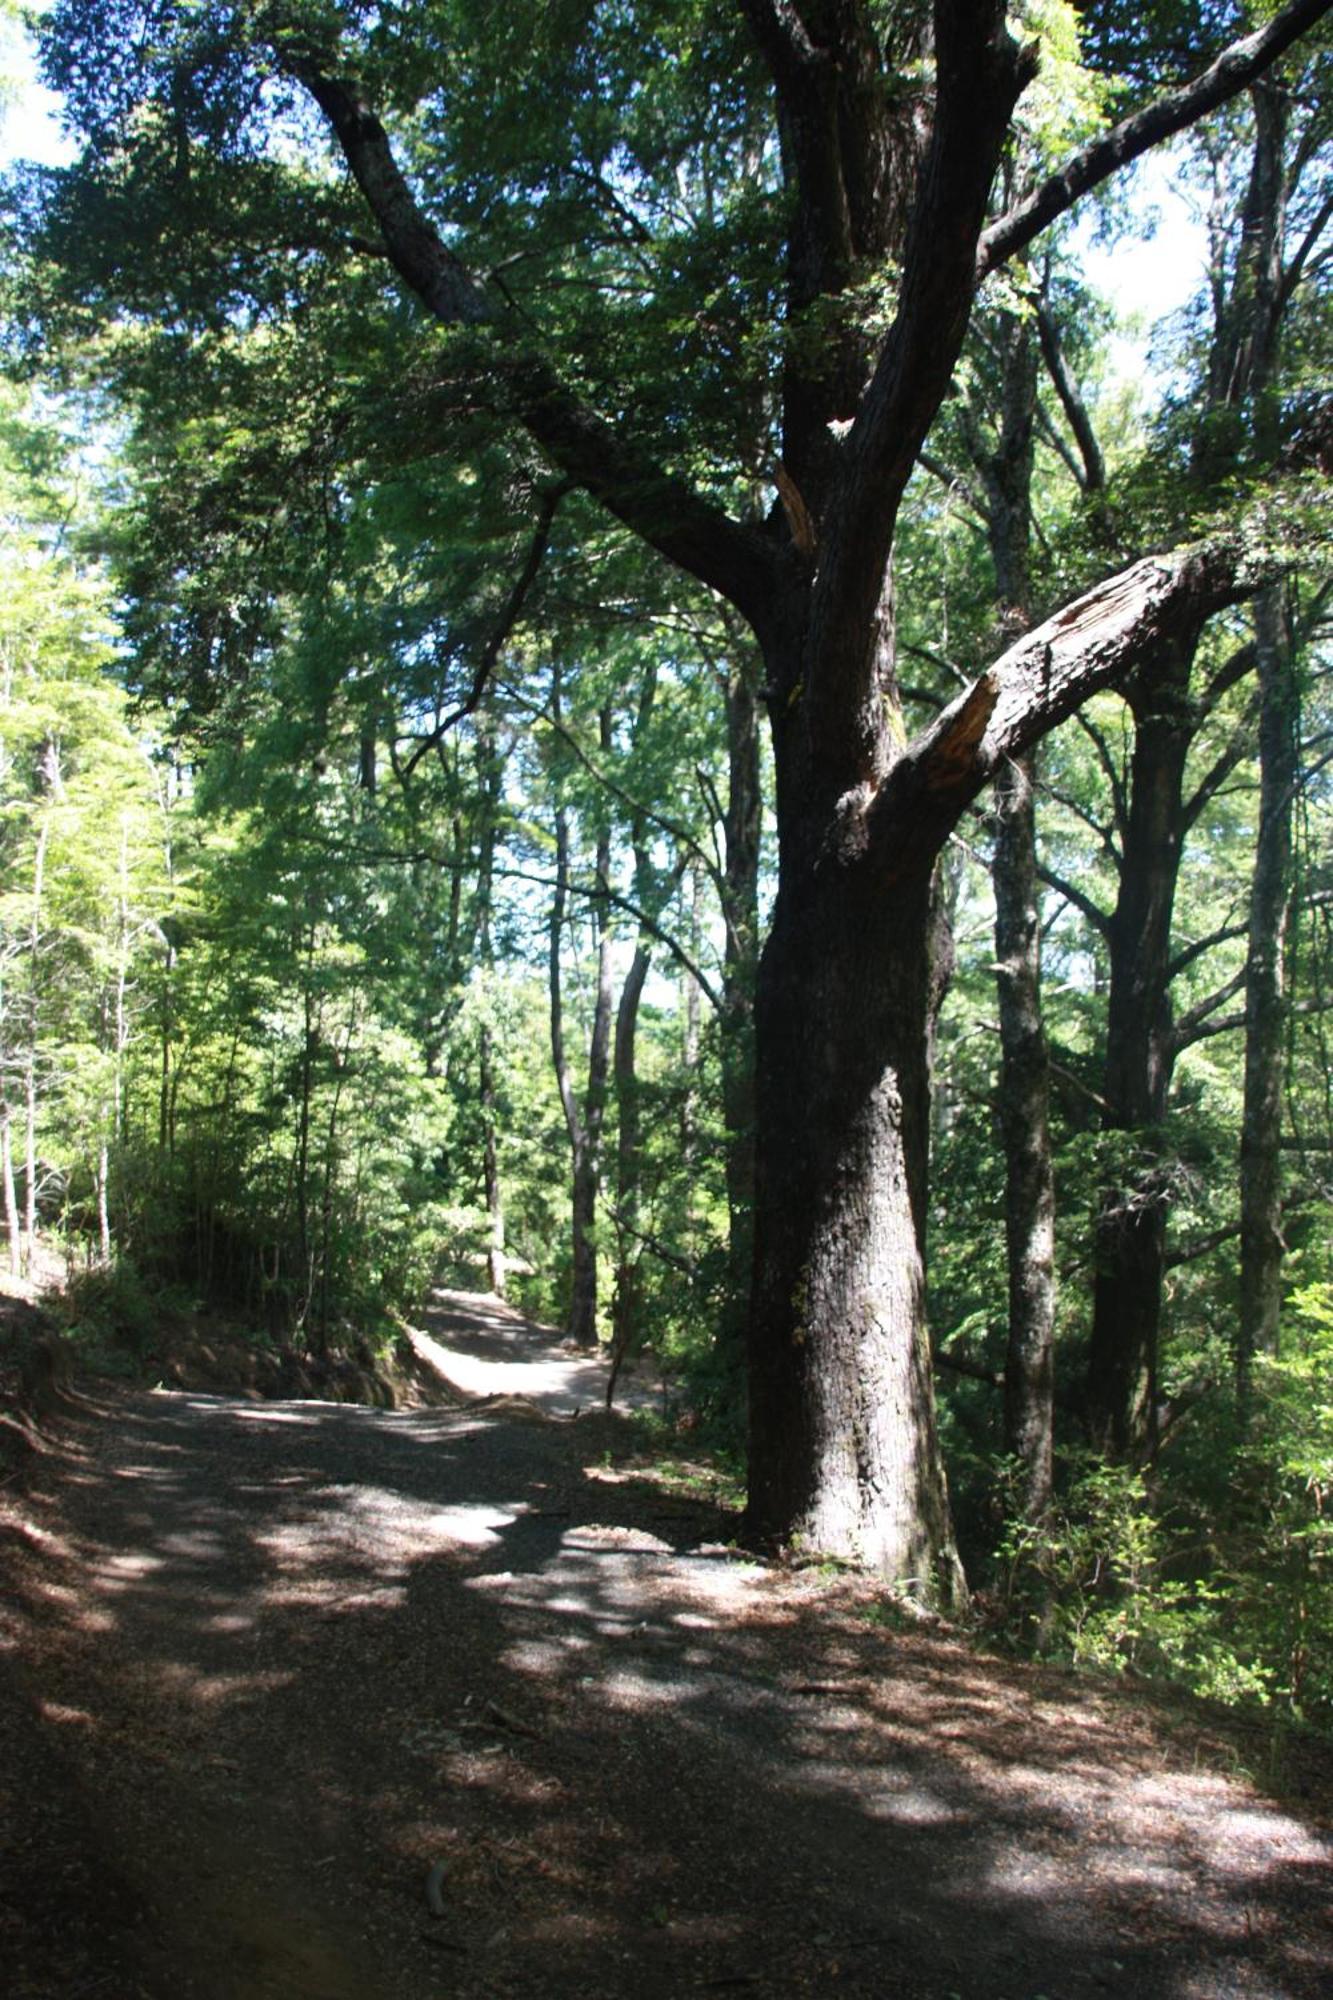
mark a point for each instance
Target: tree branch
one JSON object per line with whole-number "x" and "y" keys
{"x": 1092, "y": 643}
{"x": 1189, "y": 1253}
{"x": 1232, "y": 71}
{"x": 508, "y": 619}
{"x": 1094, "y": 466}
{"x": 1201, "y": 1020}
{"x": 1084, "y": 904}
{"x": 660, "y": 508}
{"x": 1234, "y": 668}
{"x": 980, "y": 73}
{"x": 1222, "y": 935}
{"x": 601, "y": 892}
{"x": 1241, "y": 741}
{"x": 1111, "y": 772}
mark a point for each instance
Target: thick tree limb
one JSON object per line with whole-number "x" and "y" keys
{"x": 1092, "y": 643}
{"x": 653, "y": 503}
{"x": 980, "y": 73}
{"x": 1232, "y": 71}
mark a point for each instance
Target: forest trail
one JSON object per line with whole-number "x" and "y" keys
{"x": 266, "y": 1666}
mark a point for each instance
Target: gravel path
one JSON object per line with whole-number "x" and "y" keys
{"x": 359, "y": 1705}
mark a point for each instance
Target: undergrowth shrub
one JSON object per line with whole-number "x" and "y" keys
{"x": 1229, "y": 1594}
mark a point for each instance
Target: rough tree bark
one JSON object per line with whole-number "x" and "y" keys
{"x": 1142, "y": 1040}
{"x": 1130, "y": 1228}
{"x": 1262, "y": 1245}
{"x": 1024, "y": 1088}
{"x": 742, "y": 833}
{"x": 584, "y": 1124}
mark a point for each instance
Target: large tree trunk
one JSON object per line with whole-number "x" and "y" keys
{"x": 1261, "y": 1241}
{"x": 878, "y": 161}
{"x": 843, "y": 1451}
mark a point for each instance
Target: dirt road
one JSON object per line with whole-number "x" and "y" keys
{"x": 345, "y": 1704}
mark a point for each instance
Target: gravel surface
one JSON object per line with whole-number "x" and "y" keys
{"x": 303, "y": 1699}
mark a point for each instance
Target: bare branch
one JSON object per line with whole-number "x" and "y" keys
{"x": 1080, "y": 423}
{"x": 1291, "y": 277}
{"x": 1111, "y": 770}
{"x": 1232, "y": 71}
{"x": 1202, "y": 1246}
{"x": 1064, "y": 452}
{"x": 601, "y": 892}
{"x": 1234, "y": 668}
{"x": 636, "y": 807}
{"x": 1240, "y": 743}
{"x": 502, "y": 632}
{"x": 1203, "y": 1020}
{"x": 1222, "y": 935}
{"x": 1084, "y": 904}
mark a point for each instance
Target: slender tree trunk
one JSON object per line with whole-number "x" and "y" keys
{"x": 689, "y": 1055}
{"x": 627, "y": 1310}
{"x": 584, "y": 1126}
{"x": 13, "y": 1230}
{"x": 166, "y": 1095}
{"x": 166, "y": 1090}
{"x": 1029, "y": 1369}
{"x": 742, "y": 833}
{"x": 34, "y": 1029}
{"x": 495, "y": 1214}
{"x": 1024, "y": 1089}
{"x": 102, "y": 1177}
{"x": 328, "y": 1192}
{"x": 1261, "y": 1240}
{"x": 1130, "y": 1229}
{"x": 489, "y": 769}
{"x": 310, "y": 1031}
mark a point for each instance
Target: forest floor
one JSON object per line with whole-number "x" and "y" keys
{"x": 322, "y": 1702}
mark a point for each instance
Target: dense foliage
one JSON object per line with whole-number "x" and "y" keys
{"x": 384, "y": 829}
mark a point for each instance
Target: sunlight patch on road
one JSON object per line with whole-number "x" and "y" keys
{"x": 380, "y": 1529}
{"x": 59, "y": 1712}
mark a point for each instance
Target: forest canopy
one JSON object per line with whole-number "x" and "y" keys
{"x": 684, "y": 743}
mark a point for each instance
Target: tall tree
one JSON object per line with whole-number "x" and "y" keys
{"x": 1235, "y": 431}
{"x": 887, "y": 131}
